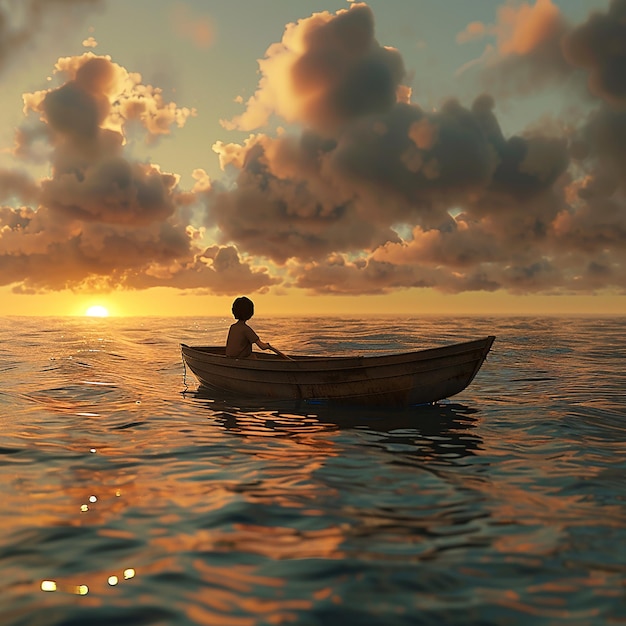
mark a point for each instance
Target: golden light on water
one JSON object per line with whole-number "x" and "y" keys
{"x": 51, "y": 585}
{"x": 82, "y": 590}
{"x": 97, "y": 310}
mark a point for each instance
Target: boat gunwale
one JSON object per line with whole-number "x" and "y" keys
{"x": 343, "y": 362}
{"x": 378, "y": 375}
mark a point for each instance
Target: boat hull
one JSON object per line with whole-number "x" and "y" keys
{"x": 419, "y": 377}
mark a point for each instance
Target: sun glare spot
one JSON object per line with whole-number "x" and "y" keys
{"x": 97, "y": 311}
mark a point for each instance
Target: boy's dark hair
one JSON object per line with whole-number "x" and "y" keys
{"x": 243, "y": 308}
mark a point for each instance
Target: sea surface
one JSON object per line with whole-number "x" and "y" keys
{"x": 128, "y": 497}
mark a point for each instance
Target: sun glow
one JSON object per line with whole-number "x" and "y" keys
{"x": 97, "y": 311}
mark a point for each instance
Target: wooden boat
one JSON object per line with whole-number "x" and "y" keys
{"x": 390, "y": 380}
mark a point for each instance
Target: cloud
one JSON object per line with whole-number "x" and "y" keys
{"x": 341, "y": 276}
{"x": 526, "y": 54}
{"x": 17, "y": 184}
{"x": 198, "y": 29}
{"x": 307, "y": 197}
{"x": 42, "y": 251}
{"x": 102, "y": 220}
{"x": 598, "y": 47}
{"x": 367, "y": 193}
{"x": 284, "y": 206}
{"x": 86, "y": 118}
{"x": 473, "y": 31}
{"x": 217, "y": 270}
{"x": 525, "y": 29}
{"x": 363, "y": 200}
{"x": 326, "y": 70}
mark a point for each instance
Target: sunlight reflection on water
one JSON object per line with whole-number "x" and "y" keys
{"x": 503, "y": 505}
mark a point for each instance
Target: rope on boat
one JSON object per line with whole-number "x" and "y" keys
{"x": 182, "y": 358}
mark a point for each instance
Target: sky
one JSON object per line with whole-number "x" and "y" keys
{"x": 405, "y": 157}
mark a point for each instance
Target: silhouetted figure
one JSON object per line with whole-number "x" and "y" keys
{"x": 240, "y": 335}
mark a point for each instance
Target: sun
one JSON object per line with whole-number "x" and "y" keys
{"x": 97, "y": 311}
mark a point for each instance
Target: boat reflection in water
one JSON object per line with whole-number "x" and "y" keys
{"x": 437, "y": 432}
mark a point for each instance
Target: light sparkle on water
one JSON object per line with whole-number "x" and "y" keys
{"x": 517, "y": 479}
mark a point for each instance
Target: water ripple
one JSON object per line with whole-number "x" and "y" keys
{"x": 504, "y": 505}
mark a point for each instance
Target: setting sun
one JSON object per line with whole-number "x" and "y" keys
{"x": 97, "y": 311}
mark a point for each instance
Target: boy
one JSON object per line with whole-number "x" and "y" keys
{"x": 240, "y": 335}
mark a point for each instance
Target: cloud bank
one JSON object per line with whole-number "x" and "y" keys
{"x": 366, "y": 193}
{"x": 101, "y": 219}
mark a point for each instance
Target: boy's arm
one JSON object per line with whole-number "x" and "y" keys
{"x": 254, "y": 338}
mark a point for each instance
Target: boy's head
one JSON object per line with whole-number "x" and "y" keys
{"x": 243, "y": 308}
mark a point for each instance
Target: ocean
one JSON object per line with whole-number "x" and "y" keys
{"x": 130, "y": 497}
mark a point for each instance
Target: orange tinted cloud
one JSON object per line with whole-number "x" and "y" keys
{"x": 196, "y": 28}
{"x": 520, "y": 28}
{"x": 598, "y": 47}
{"x": 525, "y": 28}
{"x": 308, "y": 197}
{"x": 527, "y": 54}
{"x": 103, "y": 220}
{"x": 371, "y": 195}
{"x": 360, "y": 205}
{"x": 474, "y": 30}
{"x": 327, "y": 69}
